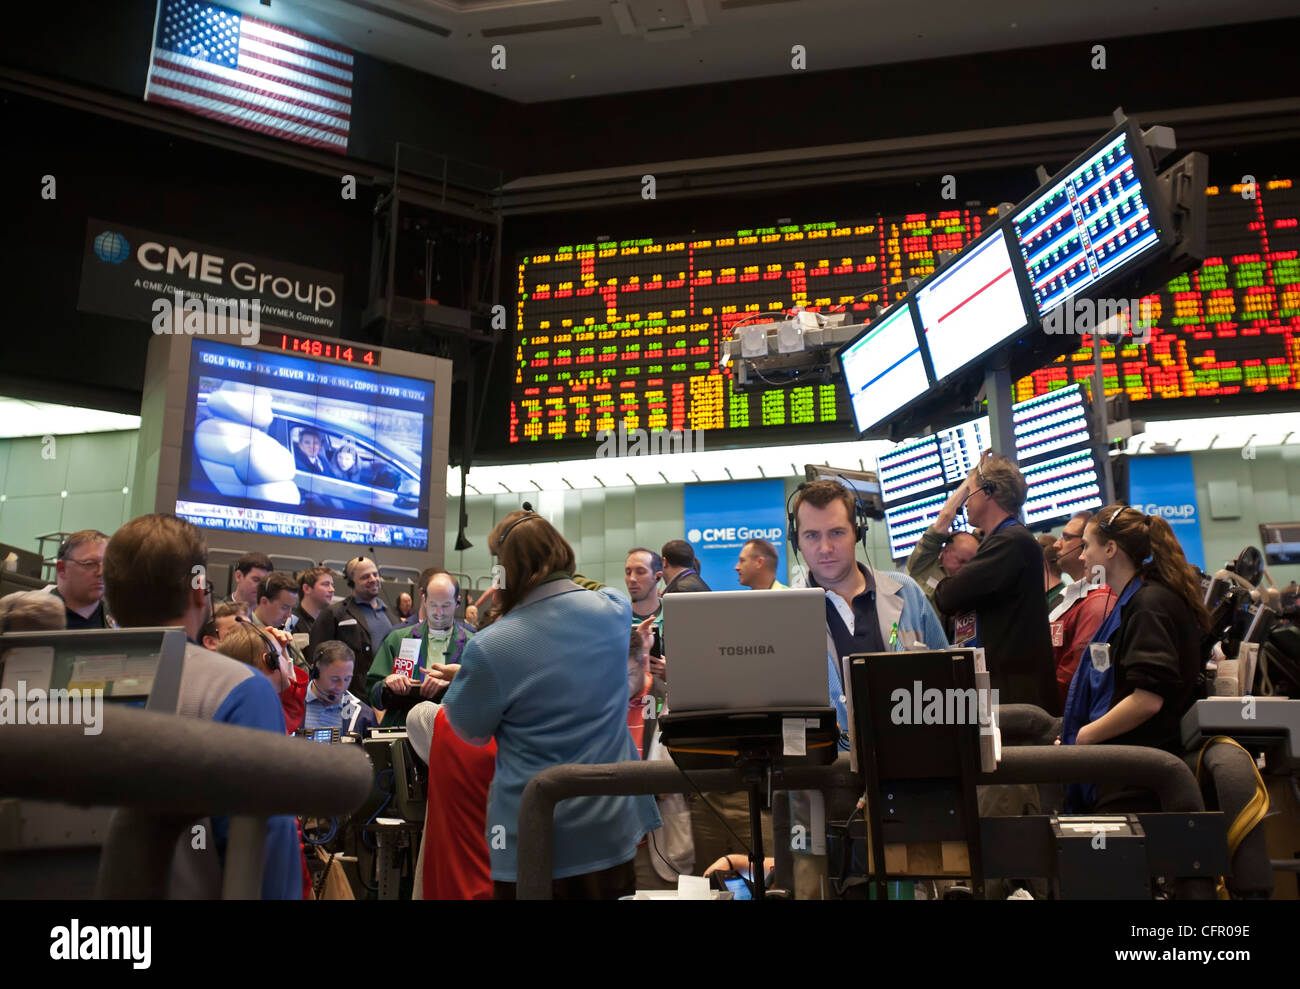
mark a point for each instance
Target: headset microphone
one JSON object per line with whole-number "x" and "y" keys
{"x": 1069, "y": 552}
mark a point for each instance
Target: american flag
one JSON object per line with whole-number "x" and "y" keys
{"x": 225, "y": 65}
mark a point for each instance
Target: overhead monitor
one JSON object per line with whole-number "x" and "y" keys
{"x": 972, "y": 306}
{"x": 863, "y": 483}
{"x": 910, "y": 469}
{"x": 293, "y": 446}
{"x": 1281, "y": 542}
{"x": 883, "y": 368}
{"x": 1051, "y": 423}
{"x": 1061, "y": 486}
{"x": 906, "y": 521}
{"x": 1093, "y": 220}
{"x": 961, "y": 447}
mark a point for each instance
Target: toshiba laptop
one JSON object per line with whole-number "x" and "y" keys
{"x": 746, "y": 650}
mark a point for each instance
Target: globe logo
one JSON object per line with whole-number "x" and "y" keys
{"x": 693, "y": 535}
{"x": 112, "y": 247}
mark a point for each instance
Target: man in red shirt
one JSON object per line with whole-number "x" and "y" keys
{"x": 1082, "y": 607}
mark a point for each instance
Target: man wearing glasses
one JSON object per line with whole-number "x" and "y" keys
{"x": 79, "y": 575}
{"x": 1082, "y": 607}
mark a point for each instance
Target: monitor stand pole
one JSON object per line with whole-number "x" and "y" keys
{"x": 756, "y": 872}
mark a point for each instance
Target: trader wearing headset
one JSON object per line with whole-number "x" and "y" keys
{"x": 360, "y": 621}
{"x": 997, "y": 598}
{"x": 998, "y": 603}
{"x": 867, "y": 610}
{"x": 329, "y": 703}
{"x": 260, "y": 648}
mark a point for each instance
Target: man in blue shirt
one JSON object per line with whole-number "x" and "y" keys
{"x": 329, "y": 703}
{"x": 152, "y": 578}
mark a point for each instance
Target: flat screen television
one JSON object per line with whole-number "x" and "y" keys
{"x": 286, "y": 445}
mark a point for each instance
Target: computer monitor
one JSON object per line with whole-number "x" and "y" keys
{"x": 1061, "y": 486}
{"x": 905, "y": 522}
{"x": 910, "y": 469}
{"x": 140, "y": 667}
{"x": 961, "y": 447}
{"x": 1050, "y": 423}
{"x": 973, "y": 305}
{"x": 883, "y": 368}
{"x": 746, "y": 651}
{"x": 863, "y": 483}
{"x": 1094, "y": 220}
{"x": 1281, "y": 542}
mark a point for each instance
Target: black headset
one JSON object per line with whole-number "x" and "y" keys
{"x": 987, "y": 486}
{"x": 350, "y": 567}
{"x": 501, "y": 540}
{"x": 271, "y": 657}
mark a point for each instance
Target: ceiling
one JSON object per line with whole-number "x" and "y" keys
{"x": 560, "y": 49}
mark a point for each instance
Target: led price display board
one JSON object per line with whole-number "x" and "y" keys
{"x": 1232, "y": 327}
{"x": 632, "y": 331}
{"x": 1091, "y": 222}
{"x": 909, "y": 469}
{"x": 312, "y": 347}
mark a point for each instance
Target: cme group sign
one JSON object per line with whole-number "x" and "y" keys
{"x": 125, "y": 270}
{"x": 736, "y": 536}
{"x": 720, "y": 518}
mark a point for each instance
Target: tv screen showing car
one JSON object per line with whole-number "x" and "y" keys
{"x": 290, "y": 446}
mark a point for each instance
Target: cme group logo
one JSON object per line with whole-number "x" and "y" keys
{"x": 735, "y": 534}
{"x": 112, "y": 247}
{"x": 1174, "y": 512}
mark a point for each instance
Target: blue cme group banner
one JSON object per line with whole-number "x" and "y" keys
{"x": 1166, "y": 486}
{"x": 721, "y": 518}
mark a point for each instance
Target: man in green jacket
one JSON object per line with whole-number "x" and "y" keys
{"x": 399, "y": 676}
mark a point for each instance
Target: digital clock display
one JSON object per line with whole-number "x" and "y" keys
{"x": 310, "y": 347}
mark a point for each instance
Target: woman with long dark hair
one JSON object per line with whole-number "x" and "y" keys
{"x": 549, "y": 680}
{"x": 1140, "y": 673}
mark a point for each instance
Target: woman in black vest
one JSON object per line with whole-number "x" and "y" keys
{"x": 1140, "y": 673}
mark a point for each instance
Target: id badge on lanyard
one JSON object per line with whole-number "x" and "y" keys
{"x": 964, "y": 627}
{"x": 1099, "y": 655}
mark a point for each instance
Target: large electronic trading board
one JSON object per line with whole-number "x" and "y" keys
{"x": 631, "y": 331}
